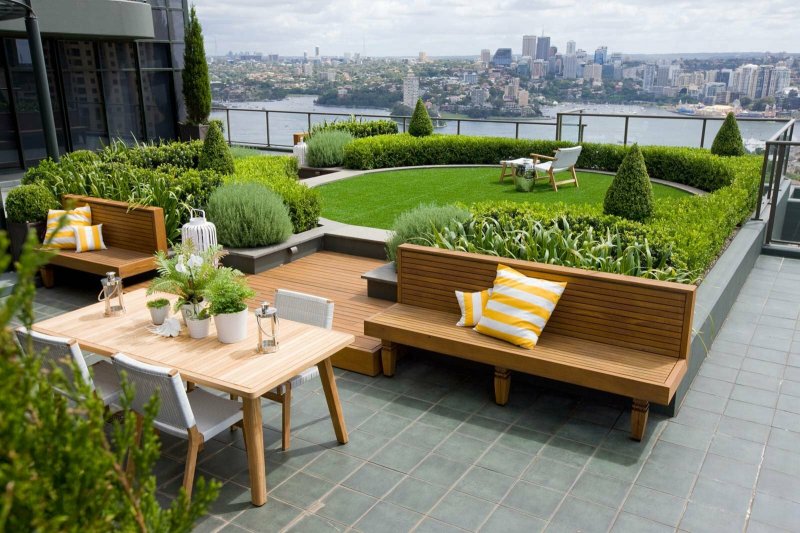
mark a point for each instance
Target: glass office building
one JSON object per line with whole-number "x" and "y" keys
{"x": 113, "y": 69}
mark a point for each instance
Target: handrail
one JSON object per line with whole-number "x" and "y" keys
{"x": 773, "y": 170}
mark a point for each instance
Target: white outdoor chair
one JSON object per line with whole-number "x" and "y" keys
{"x": 563, "y": 160}
{"x": 307, "y": 309}
{"x": 196, "y": 416}
{"x": 58, "y": 351}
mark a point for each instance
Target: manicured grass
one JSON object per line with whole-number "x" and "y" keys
{"x": 376, "y": 199}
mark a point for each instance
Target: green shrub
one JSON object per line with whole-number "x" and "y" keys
{"x": 229, "y": 292}
{"x": 418, "y": 225}
{"x": 196, "y": 84}
{"x": 29, "y": 203}
{"x": 728, "y": 141}
{"x": 356, "y": 128}
{"x": 326, "y": 148}
{"x": 216, "y": 155}
{"x": 280, "y": 175}
{"x": 248, "y": 215}
{"x": 630, "y": 194}
{"x": 153, "y": 155}
{"x": 420, "y": 124}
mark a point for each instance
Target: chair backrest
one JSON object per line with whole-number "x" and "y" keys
{"x": 56, "y": 353}
{"x": 175, "y": 414}
{"x": 305, "y": 308}
{"x": 566, "y": 157}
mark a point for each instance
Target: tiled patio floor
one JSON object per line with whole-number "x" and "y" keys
{"x": 430, "y": 452}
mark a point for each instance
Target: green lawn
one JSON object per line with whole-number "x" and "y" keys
{"x": 376, "y": 199}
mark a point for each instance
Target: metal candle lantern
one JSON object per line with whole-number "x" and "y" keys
{"x": 111, "y": 294}
{"x": 267, "y": 319}
{"x": 299, "y": 151}
{"x": 200, "y": 231}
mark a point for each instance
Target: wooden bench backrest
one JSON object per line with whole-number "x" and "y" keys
{"x": 140, "y": 229}
{"x": 625, "y": 311}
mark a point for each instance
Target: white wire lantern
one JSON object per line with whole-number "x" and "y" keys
{"x": 299, "y": 151}
{"x": 200, "y": 231}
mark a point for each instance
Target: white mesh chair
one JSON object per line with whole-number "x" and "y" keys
{"x": 564, "y": 160}
{"x": 197, "y": 416}
{"x": 308, "y": 309}
{"x": 58, "y": 351}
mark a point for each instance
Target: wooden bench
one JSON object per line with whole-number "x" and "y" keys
{"x": 618, "y": 334}
{"x": 132, "y": 236}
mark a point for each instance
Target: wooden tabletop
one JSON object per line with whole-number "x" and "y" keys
{"x": 233, "y": 368}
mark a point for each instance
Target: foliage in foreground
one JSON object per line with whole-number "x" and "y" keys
{"x": 248, "y": 215}
{"x": 356, "y": 128}
{"x": 60, "y": 470}
{"x": 728, "y": 141}
{"x": 216, "y": 155}
{"x": 420, "y": 124}
{"x": 416, "y": 226}
{"x": 630, "y": 194}
{"x": 326, "y": 148}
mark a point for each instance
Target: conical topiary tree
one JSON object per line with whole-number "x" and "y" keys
{"x": 420, "y": 124}
{"x": 196, "y": 85}
{"x": 216, "y": 155}
{"x": 728, "y": 140}
{"x": 630, "y": 195}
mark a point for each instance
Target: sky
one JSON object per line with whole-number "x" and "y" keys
{"x": 463, "y": 27}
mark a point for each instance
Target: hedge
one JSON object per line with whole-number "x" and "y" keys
{"x": 690, "y": 166}
{"x": 356, "y": 128}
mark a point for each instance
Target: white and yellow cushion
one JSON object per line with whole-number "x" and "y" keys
{"x": 64, "y": 238}
{"x": 472, "y": 304}
{"x": 519, "y": 307}
{"x": 88, "y": 238}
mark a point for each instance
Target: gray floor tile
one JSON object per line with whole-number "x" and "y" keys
{"x": 430, "y": 525}
{"x": 272, "y": 516}
{"x": 755, "y": 396}
{"x": 399, "y": 456}
{"x": 423, "y": 435}
{"x": 462, "y": 510}
{"x": 667, "y": 479}
{"x": 696, "y": 418}
{"x": 458, "y": 447}
{"x": 551, "y": 474}
{"x": 616, "y": 465}
{"x": 758, "y": 366}
{"x": 786, "y": 420}
{"x": 505, "y": 461}
{"x": 373, "y": 398}
{"x": 444, "y": 417}
{"x": 387, "y": 517}
{"x": 655, "y": 505}
{"x": 679, "y": 457}
{"x": 568, "y": 451}
{"x": 722, "y": 495}
{"x": 580, "y": 515}
{"x": 416, "y": 495}
{"x": 485, "y": 484}
{"x": 439, "y": 470}
{"x": 759, "y": 381}
{"x": 712, "y": 386}
{"x": 583, "y": 431}
{"x": 600, "y": 489}
{"x": 712, "y": 370}
{"x": 749, "y": 412}
{"x": 345, "y": 506}
{"x": 523, "y": 440}
{"x": 363, "y": 444}
{"x": 533, "y": 499}
{"x": 482, "y": 428}
{"x": 735, "y": 448}
{"x": 385, "y": 425}
{"x": 729, "y": 470}
{"x": 780, "y": 484}
{"x": 508, "y": 520}
{"x": 630, "y": 523}
{"x": 703, "y": 519}
{"x": 373, "y": 480}
{"x": 743, "y": 429}
{"x": 333, "y": 466}
{"x": 782, "y": 460}
{"x": 697, "y": 438}
{"x": 302, "y": 490}
{"x": 705, "y": 401}
{"x": 788, "y": 403}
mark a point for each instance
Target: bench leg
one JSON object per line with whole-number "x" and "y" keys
{"x": 502, "y": 385}
{"x": 48, "y": 276}
{"x": 388, "y": 357}
{"x": 639, "y": 418}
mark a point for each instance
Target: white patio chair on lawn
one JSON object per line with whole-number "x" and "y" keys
{"x": 563, "y": 160}
{"x": 196, "y": 416}
{"x": 308, "y": 309}
{"x": 58, "y": 351}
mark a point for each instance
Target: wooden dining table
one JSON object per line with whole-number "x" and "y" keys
{"x": 233, "y": 368}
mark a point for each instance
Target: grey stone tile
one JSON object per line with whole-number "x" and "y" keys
{"x": 600, "y": 489}
{"x": 315, "y": 524}
{"x": 385, "y": 425}
{"x": 671, "y": 480}
{"x": 232, "y": 500}
{"x": 721, "y": 495}
{"x": 743, "y": 429}
{"x": 509, "y": 520}
{"x": 542, "y": 420}
{"x": 387, "y": 517}
{"x": 728, "y": 347}
{"x": 462, "y": 510}
{"x": 579, "y": 515}
{"x": 439, "y": 470}
{"x": 792, "y": 388}
{"x": 551, "y": 474}
{"x": 784, "y": 439}
{"x": 482, "y": 428}
{"x": 615, "y": 465}
{"x": 786, "y": 420}
{"x": 485, "y": 484}
{"x": 533, "y": 499}
{"x": 461, "y": 448}
{"x": 620, "y": 441}
{"x": 697, "y": 438}
{"x": 793, "y": 359}
{"x": 755, "y": 396}
{"x": 725, "y": 359}
{"x": 781, "y": 308}
{"x": 749, "y": 412}
{"x": 758, "y": 366}
{"x": 766, "y": 354}
{"x": 568, "y": 451}
{"x": 792, "y": 373}
{"x": 272, "y": 516}
{"x": 675, "y": 455}
{"x": 655, "y": 505}
{"x": 208, "y": 524}
{"x": 630, "y": 523}
{"x": 779, "y": 484}
{"x": 444, "y": 417}
{"x": 505, "y": 461}
{"x": 742, "y": 450}
{"x": 729, "y": 470}
{"x": 776, "y": 511}
{"x": 782, "y": 460}
{"x": 373, "y": 398}
{"x": 754, "y": 526}
{"x": 712, "y": 386}
{"x": 363, "y": 444}
{"x": 333, "y": 466}
{"x": 464, "y": 400}
{"x": 705, "y": 401}
{"x": 700, "y": 518}
{"x": 302, "y": 490}
{"x": 604, "y": 415}
{"x": 696, "y": 418}
{"x": 407, "y": 407}
{"x": 423, "y": 435}
{"x": 711, "y": 370}
{"x": 430, "y": 525}
{"x": 416, "y": 495}
{"x": 373, "y": 480}
{"x": 399, "y": 456}
{"x": 345, "y": 506}
{"x": 524, "y": 440}
{"x": 759, "y": 381}
{"x": 583, "y": 431}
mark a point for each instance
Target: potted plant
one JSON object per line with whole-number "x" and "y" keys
{"x": 159, "y": 310}
{"x": 228, "y": 293}
{"x": 196, "y": 84}
{"x": 189, "y": 275}
{"x": 26, "y": 210}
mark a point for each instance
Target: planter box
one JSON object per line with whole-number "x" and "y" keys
{"x": 18, "y": 232}
{"x": 192, "y": 132}
{"x": 312, "y": 172}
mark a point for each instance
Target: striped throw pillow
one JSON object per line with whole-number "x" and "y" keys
{"x": 64, "y": 238}
{"x": 88, "y": 238}
{"x": 472, "y": 304}
{"x": 519, "y": 307}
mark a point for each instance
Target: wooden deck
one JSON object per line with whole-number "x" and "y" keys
{"x": 337, "y": 277}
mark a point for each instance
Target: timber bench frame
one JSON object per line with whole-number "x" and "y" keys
{"x": 132, "y": 235}
{"x": 620, "y": 334}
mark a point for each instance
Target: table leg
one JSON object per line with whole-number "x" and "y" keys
{"x": 332, "y": 397}
{"x": 254, "y": 438}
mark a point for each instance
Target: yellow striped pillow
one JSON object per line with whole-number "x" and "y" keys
{"x": 519, "y": 307}
{"x": 88, "y": 238}
{"x": 64, "y": 238}
{"x": 472, "y": 304}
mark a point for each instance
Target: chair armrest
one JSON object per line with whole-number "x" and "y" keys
{"x": 538, "y": 156}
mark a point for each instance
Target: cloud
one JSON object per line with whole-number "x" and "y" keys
{"x": 464, "y": 27}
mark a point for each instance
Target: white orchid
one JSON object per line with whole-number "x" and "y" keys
{"x": 195, "y": 261}
{"x": 181, "y": 268}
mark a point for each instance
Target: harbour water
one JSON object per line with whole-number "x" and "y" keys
{"x": 289, "y": 116}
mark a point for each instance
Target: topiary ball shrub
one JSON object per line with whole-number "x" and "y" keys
{"x": 420, "y": 125}
{"x": 216, "y": 155}
{"x": 417, "y": 225}
{"x": 248, "y": 215}
{"x": 728, "y": 141}
{"x": 326, "y": 148}
{"x": 630, "y": 194}
{"x": 29, "y": 203}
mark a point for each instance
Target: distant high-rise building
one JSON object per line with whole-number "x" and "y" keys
{"x": 529, "y": 45}
{"x": 542, "y": 48}
{"x": 410, "y": 90}
{"x": 502, "y": 57}
{"x": 600, "y": 55}
{"x": 593, "y": 72}
{"x": 570, "y": 66}
{"x": 553, "y": 51}
{"x": 539, "y": 69}
{"x": 478, "y": 96}
{"x": 308, "y": 69}
{"x": 522, "y": 98}
{"x": 423, "y": 57}
{"x": 779, "y": 81}
{"x": 570, "y": 47}
{"x": 486, "y": 56}
{"x": 305, "y": 56}
{"x": 331, "y": 75}
{"x": 662, "y": 77}
{"x": 316, "y": 51}
{"x": 649, "y": 76}
{"x": 748, "y": 78}
{"x": 470, "y": 77}
{"x": 763, "y": 81}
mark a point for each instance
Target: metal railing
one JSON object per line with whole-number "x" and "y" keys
{"x": 774, "y": 170}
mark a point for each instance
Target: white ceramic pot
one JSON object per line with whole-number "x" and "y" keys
{"x": 159, "y": 314}
{"x": 187, "y": 311}
{"x": 231, "y": 327}
{"x": 198, "y": 329}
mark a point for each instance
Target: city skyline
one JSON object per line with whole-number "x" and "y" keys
{"x": 460, "y": 28}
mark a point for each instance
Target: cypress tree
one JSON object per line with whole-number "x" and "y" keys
{"x": 420, "y": 125}
{"x": 216, "y": 155}
{"x": 630, "y": 194}
{"x": 196, "y": 84}
{"x": 728, "y": 140}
